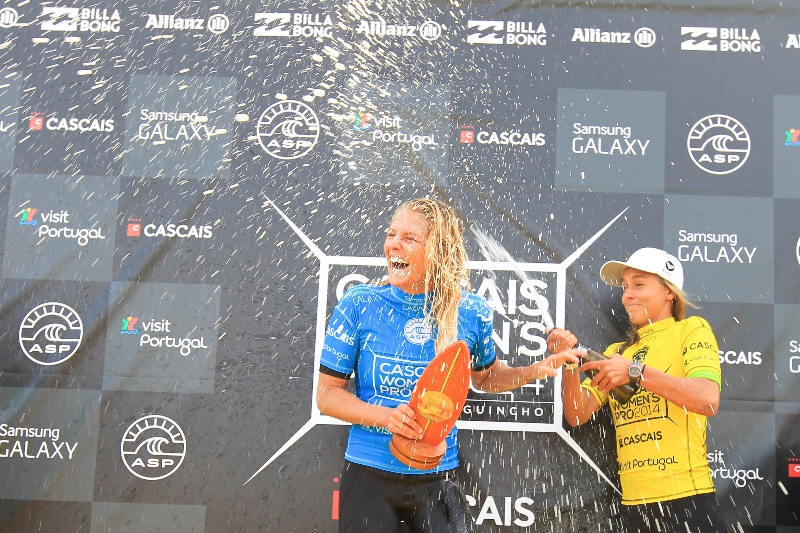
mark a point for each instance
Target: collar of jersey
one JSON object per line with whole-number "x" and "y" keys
{"x": 655, "y": 327}
{"x": 416, "y": 299}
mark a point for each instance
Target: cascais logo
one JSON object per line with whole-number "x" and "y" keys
{"x": 293, "y": 25}
{"x": 467, "y": 135}
{"x": 50, "y": 333}
{"x": 37, "y": 122}
{"x": 718, "y": 144}
{"x": 507, "y": 32}
{"x": 81, "y": 19}
{"x": 8, "y": 17}
{"x": 288, "y": 130}
{"x": 217, "y": 23}
{"x": 153, "y": 447}
{"x": 794, "y": 466}
{"x": 793, "y": 40}
{"x": 182, "y": 231}
{"x": 703, "y": 39}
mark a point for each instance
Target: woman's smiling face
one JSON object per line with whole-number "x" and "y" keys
{"x": 404, "y": 249}
{"x": 645, "y": 297}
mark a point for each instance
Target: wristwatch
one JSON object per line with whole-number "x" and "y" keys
{"x": 635, "y": 373}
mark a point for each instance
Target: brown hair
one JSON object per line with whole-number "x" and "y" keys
{"x": 679, "y": 305}
{"x": 445, "y": 271}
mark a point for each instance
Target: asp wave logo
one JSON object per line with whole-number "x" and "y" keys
{"x": 93, "y": 20}
{"x": 296, "y": 25}
{"x": 706, "y": 39}
{"x": 288, "y": 130}
{"x": 718, "y": 144}
{"x": 153, "y": 447}
{"x": 50, "y": 333}
{"x": 418, "y": 330}
{"x": 510, "y": 32}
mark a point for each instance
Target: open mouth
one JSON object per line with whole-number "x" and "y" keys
{"x": 397, "y": 264}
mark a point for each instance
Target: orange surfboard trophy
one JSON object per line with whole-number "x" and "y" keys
{"x": 437, "y": 400}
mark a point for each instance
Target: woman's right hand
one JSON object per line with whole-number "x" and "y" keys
{"x": 402, "y": 421}
{"x": 560, "y": 339}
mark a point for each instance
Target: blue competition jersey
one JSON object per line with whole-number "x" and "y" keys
{"x": 380, "y": 333}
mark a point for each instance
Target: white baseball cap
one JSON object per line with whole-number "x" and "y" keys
{"x": 650, "y": 260}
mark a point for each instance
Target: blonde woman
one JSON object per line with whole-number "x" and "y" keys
{"x": 385, "y": 335}
{"x": 673, "y": 361}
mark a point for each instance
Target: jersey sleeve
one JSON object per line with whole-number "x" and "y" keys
{"x": 700, "y": 351}
{"x": 340, "y": 350}
{"x": 483, "y": 354}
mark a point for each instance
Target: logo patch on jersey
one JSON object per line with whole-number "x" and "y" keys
{"x": 418, "y": 330}
{"x": 641, "y": 354}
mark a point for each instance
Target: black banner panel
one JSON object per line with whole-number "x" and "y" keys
{"x": 188, "y": 188}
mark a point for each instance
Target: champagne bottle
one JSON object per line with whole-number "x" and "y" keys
{"x": 621, "y": 393}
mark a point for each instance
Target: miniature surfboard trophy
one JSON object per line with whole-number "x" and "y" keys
{"x": 437, "y": 400}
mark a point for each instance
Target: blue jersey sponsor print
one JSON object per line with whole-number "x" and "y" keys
{"x": 381, "y": 335}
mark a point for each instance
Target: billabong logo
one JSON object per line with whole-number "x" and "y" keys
{"x": 153, "y": 447}
{"x": 718, "y": 144}
{"x": 288, "y": 130}
{"x": 418, "y": 330}
{"x": 8, "y": 17}
{"x": 80, "y": 19}
{"x": 730, "y": 39}
{"x": 128, "y": 326}
{"x": 293, "y": 25}
{"x": 793, "y": 137}
{"x": 50, "y": 333}
{"x": 26, "y": 216}
{"x": 516, "y": 33}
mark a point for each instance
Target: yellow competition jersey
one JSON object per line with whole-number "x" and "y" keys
{"x": 661, "y": 448}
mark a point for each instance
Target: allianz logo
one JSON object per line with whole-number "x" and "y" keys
{"x": 217, "y": 23}
{"x": 428, "y": 30}
{"x": 643, "y": 37}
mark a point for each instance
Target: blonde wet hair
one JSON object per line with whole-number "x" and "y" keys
{"x": 445, "y": 270}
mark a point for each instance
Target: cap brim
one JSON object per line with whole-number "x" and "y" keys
{"x": 611, "y": 273}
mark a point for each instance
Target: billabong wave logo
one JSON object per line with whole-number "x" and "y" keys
{"x": 50, "y": 333}
{"x": 153, "y": 447}
{"x": 288, "y": 130}
{"x": 718, "y": 144}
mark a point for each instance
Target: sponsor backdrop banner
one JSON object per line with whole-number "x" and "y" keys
{"x": 189, "y": 187}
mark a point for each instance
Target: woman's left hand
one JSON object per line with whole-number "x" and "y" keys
{"x": 612, "y": 372}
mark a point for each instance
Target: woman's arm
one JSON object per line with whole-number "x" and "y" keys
{"x": 333, "y": 399}
{"x": 698, "y": 395}
{"x": 500, "y": 377}
{"x": 579, "y": 403}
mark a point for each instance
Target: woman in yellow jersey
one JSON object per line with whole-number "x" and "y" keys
{"x": 673, "y": 362}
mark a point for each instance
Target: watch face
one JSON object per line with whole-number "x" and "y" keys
{"x": 635, "y": 370}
